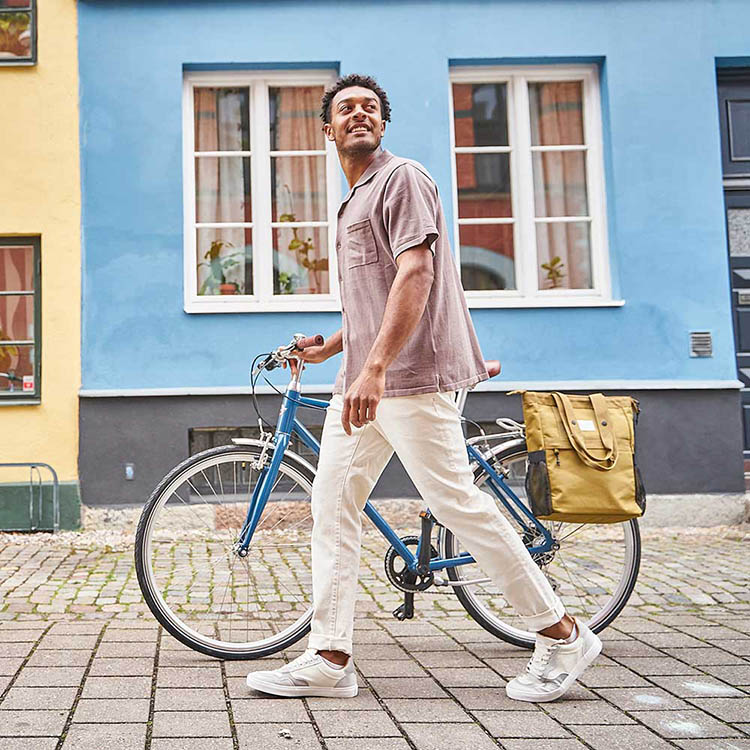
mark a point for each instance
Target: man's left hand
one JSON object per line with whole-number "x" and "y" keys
{"x": 362, "y": 399}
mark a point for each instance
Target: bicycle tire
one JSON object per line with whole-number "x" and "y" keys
{"x": 449, "y": 547}
{"x": 177, "y": 623}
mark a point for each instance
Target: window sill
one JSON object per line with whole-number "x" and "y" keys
{"x": 528, "y": 302}
{"x": 33, "y": 401}
{"x": 299, "y": 304}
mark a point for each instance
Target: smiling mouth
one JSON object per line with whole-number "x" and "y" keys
{"x": 360, "y": 129}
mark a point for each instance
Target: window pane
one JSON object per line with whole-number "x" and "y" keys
{"x": 487, "y": 257}
{"x": 483, "y": 185}
{"x": 738, "y": 114}
{"x": 222, "y": 119}
{"x": 480, "y": 112}
{"x": 300, "y": 260}
{"x": 560, "y": 183}
{"x": 556, "y": 113}
{"x": 298, "y": 188}
{"x": 17, "y": 318}
{"x": 18, "y": 4}
{"x": 16, "y": 34}
{"x": 16, "y": 268}
{"x": 222, "y": 188}
{"x": 295, "y": 118}
{"x": 16, "y": 362}
{"x": 225, "y": 261}
{"x": 564, "y": 255}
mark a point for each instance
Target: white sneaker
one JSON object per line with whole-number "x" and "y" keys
{"x": 554, "y": 667}
{"x": 307, "y": 675}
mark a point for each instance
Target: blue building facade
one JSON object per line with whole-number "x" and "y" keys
{"x": 582, "y": 130}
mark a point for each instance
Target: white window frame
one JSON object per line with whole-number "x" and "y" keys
{"x": 262, "y": 299}
{"x": 522, "y": 189}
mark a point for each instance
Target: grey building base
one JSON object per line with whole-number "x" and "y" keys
{"x": 689, "y": 441}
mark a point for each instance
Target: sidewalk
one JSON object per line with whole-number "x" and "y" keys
{"x": 83, "y": 665}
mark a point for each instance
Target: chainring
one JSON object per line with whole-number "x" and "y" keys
{"x": 399, "y": 575}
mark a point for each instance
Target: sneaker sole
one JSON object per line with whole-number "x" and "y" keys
{"x": 299, "y": 691}
{"x": 588, "y": 657}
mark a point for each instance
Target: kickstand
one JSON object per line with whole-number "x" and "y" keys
{"x": 406, "y": 610}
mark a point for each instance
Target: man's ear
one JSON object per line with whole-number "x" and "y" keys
{"x": 328, "y": 130}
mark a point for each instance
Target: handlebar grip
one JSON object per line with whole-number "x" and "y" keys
{"x": 317, "y": 340}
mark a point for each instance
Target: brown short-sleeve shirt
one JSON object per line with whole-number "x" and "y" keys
{"x": 395, "y": 206}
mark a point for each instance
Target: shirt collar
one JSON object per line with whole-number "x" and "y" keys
{"x": 380, "y": 160}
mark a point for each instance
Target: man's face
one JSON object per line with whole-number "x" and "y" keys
{"x": 356, "y": 124}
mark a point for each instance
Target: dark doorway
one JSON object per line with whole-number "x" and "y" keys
{"x": 734, "y": 117}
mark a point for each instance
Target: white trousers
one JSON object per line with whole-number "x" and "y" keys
{"x": 425, "y": 432}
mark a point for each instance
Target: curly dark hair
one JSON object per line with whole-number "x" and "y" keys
{"x": 354, "y": 79}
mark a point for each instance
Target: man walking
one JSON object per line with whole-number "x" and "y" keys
{"x": 408, "y": 344}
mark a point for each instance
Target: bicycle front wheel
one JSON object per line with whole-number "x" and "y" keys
{"x": 593, "y": 572}
{"x": 193, "y": 581}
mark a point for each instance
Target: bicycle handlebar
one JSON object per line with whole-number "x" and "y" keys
{"x": 282, "y": 353}
{"x": 308, "y": 341}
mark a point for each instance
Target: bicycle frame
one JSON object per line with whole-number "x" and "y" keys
{"x": 288, "y": 424}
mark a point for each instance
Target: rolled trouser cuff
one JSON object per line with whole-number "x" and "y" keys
{"x": 547, "y": 618}
{"x": 325, "y": 643}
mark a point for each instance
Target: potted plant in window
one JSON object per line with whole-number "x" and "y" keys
{"x": 218, "y": 265}
{"x": 302, "y": 248}
{"x": 554, "y": 272}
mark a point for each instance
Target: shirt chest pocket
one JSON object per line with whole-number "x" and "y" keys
{"x": 361, "y": 248}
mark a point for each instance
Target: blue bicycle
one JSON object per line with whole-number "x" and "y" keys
{"x": 223, "y": 544}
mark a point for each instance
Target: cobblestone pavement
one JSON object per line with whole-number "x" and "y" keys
{"x": 83, "y": 665}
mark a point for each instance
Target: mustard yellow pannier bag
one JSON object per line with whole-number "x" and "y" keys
{"x": 582, "y": 457}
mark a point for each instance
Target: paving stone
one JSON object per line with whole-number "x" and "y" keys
{"x": 278, "y": 737}
{"x": 190, "y": 699}
{"x": 386, "y": 668}
{"x": 381, "y": 651}
{"x": 586, "y": 712}
{"x": 187, "y": 743}
{"x": 127, "y": 650}
{"x": 442, "y": 736}
{"x": 36, "y": 698}
{"x": 630, "y": 648}
{"x": 734, "y": 675}
{"x": 518, "y": 724}
{"x": 685, "y": 724}
{"x": 41, "y": 723}
{"x": 705, "y": 656}
{"x": 241, "y": 668}
{"x": 184, "y": 659}
{"x": 9, "y": 664}
{"x": 263, "y": 710}
{"x": 488, "y": 698}
{"x": 697, "y": 687}
{"x": 448, "y": 659}
{"x": 68, "y": 642}
{"x": 671, "y": 640}
{"x": 597, "y": 677}
{"x": 100, "y": 736}
{"x": 726, "y": 709}
{"x": 364, "y": 701}
{"x": 64, "y": 658}
{"x": 111, "y": 711}
{"x": 191, "y": 724}
{"x": 20, "y": 636}
{"x": 398, "y": 687}
{"x": 452, "y": 677}
{"x": 664, "y": 665}
{"x": 122, "y": 687}
{"x": 76, "y": 628}
{"x": 642, "y": 699}
{"x": 15, "y": 649}
{"x": 28, "y": 743}
{"x": 538, "y": 744}
{"x": 121, "y": 667}
{"x": 738, "y": 647}
{"x": 429, "y": 643}
{"x": 130, "y": 635}
{"x": 714, "y": 744}
{"x": 409, "y": 710}
{"x": 50, "y": 676}
{"x": 192, "y": 677}
{"x": 373, "y": 743}
{"x": 621, "y": 738}
{"x": 355, "y": 724}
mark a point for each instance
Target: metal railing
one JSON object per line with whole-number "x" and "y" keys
{"x": 36, "y": 492}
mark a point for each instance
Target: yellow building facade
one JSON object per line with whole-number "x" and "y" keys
{"x": 40, "y": 218}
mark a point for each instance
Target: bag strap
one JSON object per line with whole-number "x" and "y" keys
{"x": 603, "y": 426}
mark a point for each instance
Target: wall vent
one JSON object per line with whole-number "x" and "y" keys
{"x": 701, "y": 344}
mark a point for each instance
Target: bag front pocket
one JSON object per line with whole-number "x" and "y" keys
{"x": 537, "y": 484}
{"x": 361, "y": 248}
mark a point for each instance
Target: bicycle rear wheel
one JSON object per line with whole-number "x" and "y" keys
{"x": 195, "y": 584}
{"x": 594, "y": 571}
